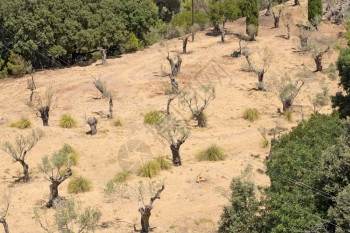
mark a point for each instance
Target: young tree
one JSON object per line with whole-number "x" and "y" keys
{"x": 320, "y": 99}
{"x": 267, "y": 59}
{"x": 277, "y": 16}
{"x": 340, "y": 213}
{"x": 288, "y": 21}
{"x": 71, "y": 218}
{"x": 92, "y": 122}
{"x": 43, "y": 104}
{"x": 4, "y": 211}
{"x": 315, "y": 9}
{"x": 320, "y": 46}
{"x": 175, "y": 70}
{"x": 185, "y": 33}
{"x": 145, "y": 210}
{"x": 342, "y": 100}
{"x": 174, "y": 134}
{"x": 31, "y": 86}
{"x": 288, "y": 92}
{"x": 56, "y": 170}
{"x": 192, "y": 99}
{"x": 20, "y": 149}
{"x": 304, "y": 35}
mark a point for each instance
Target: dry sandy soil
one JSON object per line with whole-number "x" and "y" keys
{"x": 138, "y": 86}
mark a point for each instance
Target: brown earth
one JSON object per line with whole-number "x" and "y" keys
{"x": 138, "y": 86}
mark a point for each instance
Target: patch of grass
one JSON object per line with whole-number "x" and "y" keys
{"x": 251, "y": 114}
{"x": 332, "y": 76}
{"x": 264, "y": 143}
{"x": 117, "y": 122}
{"x": 22, "y": 123}
{"x": 289, "y": 115}
{"x": 149, "y": 169}
{"x": 212, "y": 153}
{"x": 260, "y": 171}
{"x": 67, "y": 121}
{"x": 122, "y": 176}
{"x": 172, "y": 226}
{"x": 69, "y": 152}
{"x": 163, "y": 163}
{"x": 79, "y": 184}
{"x": 153, "y": 117}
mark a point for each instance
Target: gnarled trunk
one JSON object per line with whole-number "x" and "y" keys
{"x": 175, "y": 150}
{"x": 145, "y": 215}
{"x": 184, "y": 44}
{"x": 4, "y": 223}
{"x": 318, "y": 61}
{"x": 268, "y": 10}
{"x": 104, "y": 55}
{"x": 276, "y": 21}
{"x": 201, "y": 119}
{"x": 223, "y": 33}
{"x": 261, "y": 85}
{"x": 250, "y": 66}
{"x": 175, "y": 67}
{"x": 53, "y": 193}
{"x": 44, "y": 114}
{"x": 217, "y": 28}
{"x": 25, "y": 166}
{"x": 288, "y": 32}
{"x": 92, "y": 121}
{"x": 287, "y": 105}
{"x": 110, "y": 115}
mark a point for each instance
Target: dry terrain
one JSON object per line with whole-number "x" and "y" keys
{"x": 137, "y": 83}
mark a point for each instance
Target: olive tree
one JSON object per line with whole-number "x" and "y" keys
{"x": 56, "y": 169}
{"x": 197, "y": 101}
{"x": 176, "y": 135}
{"x": 43, "y": 104}
{"x": 185, "y": 32}
{"x": 288, "y": 91}
{"x": 319, "y": 47}
{"x": 175, "y": 70}
{"x": 4, "y": 211}
{"x": 320, "y": 99}
{"x": 246, "y": 52}
{"x": 19, "y": 149}
{"x": 267, "y": 57}
{"x": 287, "y": 21}
{"x": 105, "y": 93}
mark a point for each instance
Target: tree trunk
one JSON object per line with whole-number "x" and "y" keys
{"x": 53, "y": 193}
{"x": 104, "y": 55}
{"x": 174, "y": 84}
{"x": 184, "y": 45}
{"x": 145, "y": 219}
{"x": 31, "y": 96}
{"x": 92, "y": 121}
{"x": 168, "y": 105}
{"x": 287, "y": 105}
{"x": 217, "y": 28}
{"x": 201, "y": 119}
{"x": 277, "y": 21}
{"x": 110, "y": 115}
{"x": 250, "y": 67}
{"x": 25, "y": 166}
{"x": 303, "y": 42}
{"x": 288, "y": 32}
{"x": 44, "y": 114}
{"x": 318, "y": 61}
{"x": 175, "y": 150}
{"x": 175, "y": 67}
{"x": 268, "y": 10}
{"x": 261, "y": 85}
{"x": 223, "y": 32}
{"x": 296, "y": 2}
{"x": 4, "y": 223}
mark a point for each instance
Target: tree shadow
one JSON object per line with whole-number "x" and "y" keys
{"x": 136, "y": 230}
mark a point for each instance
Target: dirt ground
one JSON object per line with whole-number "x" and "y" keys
{"x": 138, "y": 86}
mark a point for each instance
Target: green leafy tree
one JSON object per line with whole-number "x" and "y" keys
{"x": 340, "y": 213}
{"x": 314, "y": 10}
{"x": 222, "y": 11}
{"x": 342, "y": 100}
{"x": 241, "y": 215}
{"x": 167, "y": 8}
{"x": 250, "y": 9}
{"x": 17, "y": 65}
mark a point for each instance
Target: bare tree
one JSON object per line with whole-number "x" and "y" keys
{"x": 145, "y": 210}
{"x": 31, "y": 86}
{"x": 43, "y": 104}
{"x": 192, "y": 99}
{"x": 320, "y": 46}
{"x": 20, "y": 149}
{"x": 174, "y": 134}
{"x": 185, "y": 32}
{"x": 175, "y": 70}
{"x": 267, "y": 59}
{"x": 288, "y": 21}
{"x": 53, "y": 170}
{"x": 277, "y": 16}
{"x": 268, "y": 9}
{"x": 246, "y": 53}
{"x": 92, "y": 122}
{"x": 3, "y": 213}
{"x": 288, "y": 92}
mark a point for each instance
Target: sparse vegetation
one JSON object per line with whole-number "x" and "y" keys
{"x": 117, "y": 122}
{"x": 149, "y": 169}
{"x": 164, "y": 164}
{"x": 251, "y": 114}
{"x": 153, "y": 117}
{"x": 288, "y": 114}
{"x": 23, "y": 123}
{"x": 67, "y": 121}
{"x": 69, "y": 153}
{"x": 212, "y": 153}
{"x": 79, "y": 184}
{"x": 122, "y": 176}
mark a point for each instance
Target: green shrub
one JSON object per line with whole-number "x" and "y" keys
{"x": 163, "y": 163}
{"x": 132, "y": 44}
{"x": 67, "y": 121}
{"x": 17, "y": 65}
{"x": 264, "y": 143}
{"x": 212, "y": 153}
{"x": 79, "y": 184}
{"x": 153, "y": 117}
{"x": 69, "y": 152}
{"x": 122, "y": 176}
{"x": 23, "y": 123}
{"x": 185, "y": 19}
{"x": 3, "y": 69}
{"x": 117, "y": 122}
{"x": 289, "y": 115}
{"x": 314, "y": 10}
{"x": 149, "y": 169}
{"x": 251, "y": 114}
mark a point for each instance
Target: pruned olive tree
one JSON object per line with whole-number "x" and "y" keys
{"x": 185, "y": 32}
{"x": 276, "y": 13}
{"x": 4, "y": 211}
{"x": 175, "y": 70}
{"x": 43, "y": 104}
{"x": 145, "y": 210}
{"x": 288, "y": 91}
{"x": 19, "y": 149}
{"x": 246, "y": 52}
{"x": 92, "y": 122}
{"x": 176, "y": 135}
{"x": 56, "y": 170}
{"x": 69, "y": 218}
{"x": 105, "y": 93}
{"x": 304, "y": 35}
{"x": 319, "y": 47}
{"x": 267, "y": 57}
{"x": 287, "y": 21}
{"x": 31, "y": 86}
{"x": 197, "y": 101}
